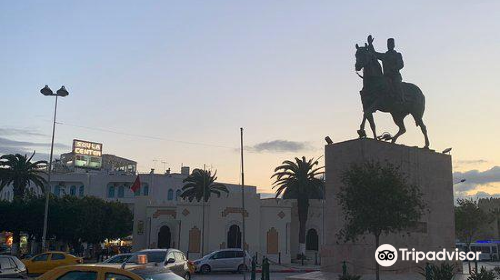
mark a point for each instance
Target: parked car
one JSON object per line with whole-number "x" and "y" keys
{"x": 42, "y": 263}
{"x": 110, "y": 272}
{"x": 172, "y": 259}
{"x": 11, "y": 267}
{"x": 120, "y": 258}
{"x": 223, "y": 260}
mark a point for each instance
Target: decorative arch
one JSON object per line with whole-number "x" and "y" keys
{"x": 177, "y": 194}
{"x": 234, "y": 236}
{"x": 170, "y": 194}
{"x": 312, "y": 240}
{"x": 164, "y": 237}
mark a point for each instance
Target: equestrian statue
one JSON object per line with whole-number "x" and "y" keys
{"x": 386, "y": 92}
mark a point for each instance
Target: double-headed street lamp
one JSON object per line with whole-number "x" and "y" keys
{"x": 62, "y": 92}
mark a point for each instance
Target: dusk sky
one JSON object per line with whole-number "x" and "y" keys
{"x": 174, "y": 81}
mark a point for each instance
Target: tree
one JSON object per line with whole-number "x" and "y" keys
{"x": 469, "y": 219}
{"x": 377, "y": 199}
{"x": 69, "y": 218}
{"x": 19, "y": 171}
{"x": 300, "y": 180}
{"x": 200, "y": 185}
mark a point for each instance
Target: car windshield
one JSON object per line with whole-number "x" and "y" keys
{"x": 117, "y": 259}
{"x": 153, "y": 256}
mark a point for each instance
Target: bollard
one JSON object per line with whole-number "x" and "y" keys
{"x": 475, "y": 264}
{"x": 428, "y": 272}
{"x": 254, "y": 268}
{"x": 316, "y": 258}
{"x": 279, "y": 257}
{"x": 344, "y": 269}
{"x": 265, "y": 269}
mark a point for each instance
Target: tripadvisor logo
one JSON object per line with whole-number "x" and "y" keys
{"x": 386, "y": 255}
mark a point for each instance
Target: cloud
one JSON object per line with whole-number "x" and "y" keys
{"x": 9, "y": 146}
{"x": 471, "y": 161}
{"x": 20, "y": 131}
{"x": 477, "y": 195}
{"x": 480, "y": 177}
{"x": 474, "y": 180}
{"x": 25, "y": 144}
{"x": 280, "y": 146}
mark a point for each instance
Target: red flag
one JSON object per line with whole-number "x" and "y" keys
{"x": 136, "y": 185}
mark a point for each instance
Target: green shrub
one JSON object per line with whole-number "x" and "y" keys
{"x": 497, "y": 270}
{"x": 445, "y": 271}
{"x": 349, "y": 277}
{"x": 483, "y": 274}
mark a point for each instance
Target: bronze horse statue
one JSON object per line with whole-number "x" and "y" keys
{"x": 376, "y": 95}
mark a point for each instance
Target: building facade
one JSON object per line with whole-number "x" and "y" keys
{"x": 163, "y": 220}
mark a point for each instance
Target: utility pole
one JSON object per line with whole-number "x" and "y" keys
{"x": 243, "y": 241}
{"x": 48, "y": 92}
{"x": 203, "y": 215}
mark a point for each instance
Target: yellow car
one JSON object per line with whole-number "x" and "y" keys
{"x": 49, "y": 260}
{"x": 109, "y": 272}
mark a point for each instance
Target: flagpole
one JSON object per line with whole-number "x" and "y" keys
{"x": 243, "y": 206}
{"x": 203, "y": 216}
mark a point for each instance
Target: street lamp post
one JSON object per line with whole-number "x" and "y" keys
{"x": 48, "y": 92}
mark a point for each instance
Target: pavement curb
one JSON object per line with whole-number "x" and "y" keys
{"x": 290, "y": 270}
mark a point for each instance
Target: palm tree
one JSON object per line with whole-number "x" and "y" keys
{"x": 200, "y": 185}
{"x": 21, "y": 172}
{"x": 300, "y": 180}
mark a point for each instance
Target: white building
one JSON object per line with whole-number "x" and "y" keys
{"x": 162, "y": 219}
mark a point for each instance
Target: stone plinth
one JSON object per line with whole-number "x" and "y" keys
{"x": 425, "y": 168}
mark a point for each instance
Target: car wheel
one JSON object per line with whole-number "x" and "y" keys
{"x": 242, "y": 268}
{"x": 187, "y": 276}
{"x": 205, "y": 269}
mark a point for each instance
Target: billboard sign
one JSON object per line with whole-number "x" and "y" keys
{"x": 87, "y": 154}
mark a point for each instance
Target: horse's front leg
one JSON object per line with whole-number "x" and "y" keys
{"x": 369, "y": 117}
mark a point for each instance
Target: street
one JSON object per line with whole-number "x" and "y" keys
{"x": 231, "y": 276}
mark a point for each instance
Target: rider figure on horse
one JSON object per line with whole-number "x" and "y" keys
{"x": 392, "y": 62}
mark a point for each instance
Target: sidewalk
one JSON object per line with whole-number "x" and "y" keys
{"x": 331, "y": 276}
{"x": 291, "y": 268}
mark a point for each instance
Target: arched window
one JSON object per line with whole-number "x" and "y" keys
{"x": 177, "y": 194}
{"x": 80, "y": 191}
{"x": 121, "y": 191}
{"x": 312, "y": 240}
{"x": 170, "y": 195}
{"x": 57, "y": 190}
{"x": 234, "y": 237}
{"x": 72, "y": 190}
{"x": 111, "y": 191}
{"x": 146, "y": 190}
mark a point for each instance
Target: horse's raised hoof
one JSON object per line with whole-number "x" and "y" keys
{"x": 362, "y": 133}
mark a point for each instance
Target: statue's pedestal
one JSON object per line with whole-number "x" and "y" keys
{"x": 430, "y": 170}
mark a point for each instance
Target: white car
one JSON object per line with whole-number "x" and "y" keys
{"x": 223, "y": 260}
